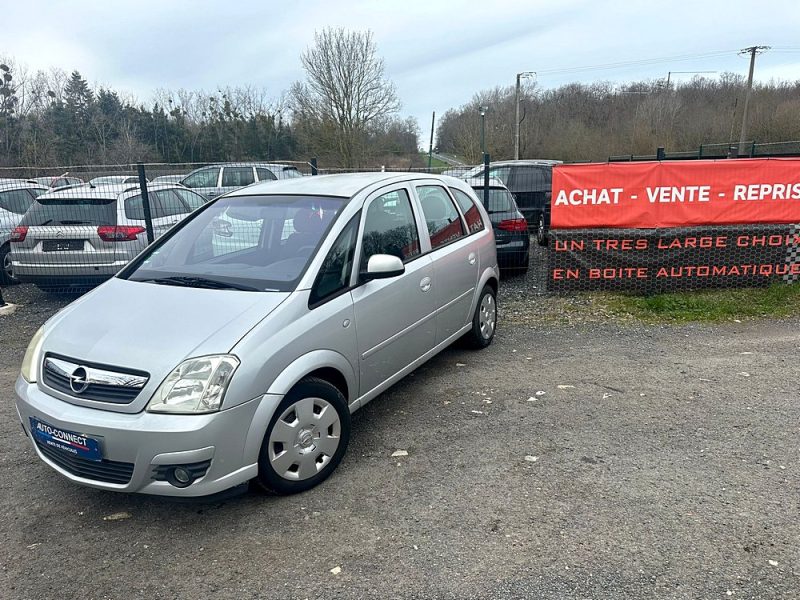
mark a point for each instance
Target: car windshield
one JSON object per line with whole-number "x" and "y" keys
{"x": 499, "y": 200}
{"x": 259, "y": 243}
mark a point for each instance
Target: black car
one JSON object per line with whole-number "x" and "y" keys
{"x": 531, "y": 183}
{"x": 510, "y": 226}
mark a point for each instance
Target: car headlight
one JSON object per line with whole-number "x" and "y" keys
{"x": 30, "y": 363}
{"x": 195, "y": 386}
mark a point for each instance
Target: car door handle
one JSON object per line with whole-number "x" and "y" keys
{"x": 471, "y": 258}
{"x": 425, "y": 284}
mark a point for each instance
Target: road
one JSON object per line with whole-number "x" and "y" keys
{"x": 571, "y": 459}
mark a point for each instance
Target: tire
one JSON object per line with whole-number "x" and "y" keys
{"x": 6, "y": 276}
{"x": 302, "y": 446}
{"x": 484, "y": 321}
{"x": 541, "y": 231}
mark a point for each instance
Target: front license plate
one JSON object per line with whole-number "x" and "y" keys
{"x": 77, "y": 444}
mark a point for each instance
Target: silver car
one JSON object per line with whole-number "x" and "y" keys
{"x": 16, "y": 198}
{"x": 204, "y": 365}
{"x": 215, "y": 180}
{"x": 78, "y": 237}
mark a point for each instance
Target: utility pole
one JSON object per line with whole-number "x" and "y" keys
{"x": 483, "y": 110}
{"x": 430, "y": 148}
{"x": 752, "y": 50}
{"x": 516, "y": 112}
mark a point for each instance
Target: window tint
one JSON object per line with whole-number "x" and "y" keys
{"x": 202, "y": 178}
{"x": 334, "y": 275}
{"x": 444, "y": 222}
{"x": 16, "y": 201}
{"x": 134, "y": 208}
{"x": 389, "y": 228}
{"x": 500, "y": 200}
{"x": 265, "y": 174}
{"x": 192, "y": 199}
{"x": 471, "y": 213}
{"x": 237, "y": 176}
{"x": 168, "y": 204}
{"x": 530, "y": 179}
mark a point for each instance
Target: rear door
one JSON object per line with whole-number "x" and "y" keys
{"x": 455, "y": 262}
{"x": 204, "y": 181}
{"x": 394, "y": 318}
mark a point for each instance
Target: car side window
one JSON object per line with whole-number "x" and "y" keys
{"x": 502, "y": 173}
{"x": 16, "y": 201}
{"x": 203, "y": 178}
{"x": 471, "y": 213}
{"x": 444, "y": 222}
{"x": 389, "y": 228}
{"x": 134, "y": 208}
{"x": 192, "y": 199}
{"x": 169, "y": 204}
{"x": 265, "y": 174}
{"x": 237, "y": 176}
{"x": 334, "y": 275}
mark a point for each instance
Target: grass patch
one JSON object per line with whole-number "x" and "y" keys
{"x": 779, "y": 300}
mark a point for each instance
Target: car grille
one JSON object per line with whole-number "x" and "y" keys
{"x": 107, "y": 471}
{"x": 101, "y": 384}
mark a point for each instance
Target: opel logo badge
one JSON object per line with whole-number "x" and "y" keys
{"x": 79, "y": 380}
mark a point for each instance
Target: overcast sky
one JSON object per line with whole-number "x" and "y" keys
{"x": 437, "y": 52}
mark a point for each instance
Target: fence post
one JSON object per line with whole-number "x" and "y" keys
{"x": 486, "y": 161}
{"x": 753, "y": 149}
{"x": 314, "y": 166}
{"x": 148, "y": 218}
{"x": 661, "y": 153}
{"x": 700, "y": 152}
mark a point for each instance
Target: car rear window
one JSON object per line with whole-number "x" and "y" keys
{"x": 71, "y": 211}
{"x": 499, "y": 200}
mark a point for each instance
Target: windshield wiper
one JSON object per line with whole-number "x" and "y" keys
{"x": 200, "y": 282}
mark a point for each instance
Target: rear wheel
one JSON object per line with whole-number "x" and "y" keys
{"x": 541, "y": 231}
{"x": 306, "y": 438}
{"x": 6, "y": 270}
{"x": 484, "y": 321}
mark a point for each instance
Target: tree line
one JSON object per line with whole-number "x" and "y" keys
{"x": 346, "y": 112}
{"x": 346, "y": 117}
{"x": 578, "y": 122}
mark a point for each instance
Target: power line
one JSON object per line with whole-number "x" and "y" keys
{"x": 638, "y": 62}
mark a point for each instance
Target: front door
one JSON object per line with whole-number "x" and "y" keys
{"x": 394, "y": 318}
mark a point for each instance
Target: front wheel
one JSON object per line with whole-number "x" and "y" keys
{"x": 484, "y": 321}
{"x": 306, "y": 438}
{"x": 6, "y": 272}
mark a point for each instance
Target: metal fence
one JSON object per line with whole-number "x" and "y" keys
{"x": 67, "y": 229}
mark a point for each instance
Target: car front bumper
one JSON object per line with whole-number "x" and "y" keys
{"x": 147, "y": 441}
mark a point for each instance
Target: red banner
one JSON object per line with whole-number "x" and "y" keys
{"x": 647, "y": 195}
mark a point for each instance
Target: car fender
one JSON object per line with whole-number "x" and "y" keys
{"x": 311, "y": 361}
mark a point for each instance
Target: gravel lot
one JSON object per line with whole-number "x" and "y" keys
{"x": 577, "y": 457}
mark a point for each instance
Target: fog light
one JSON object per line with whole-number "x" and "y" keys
{"x": 182, "y": 476}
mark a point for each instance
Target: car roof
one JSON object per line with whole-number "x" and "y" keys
{"x": 477, "y": 182}
{"x": 344, "y": 185}
{"x": 20, "y": 184}
{"x": 527, "y": 161}
{"x": 110, "y": 191}
{"x": 247, "y": 164}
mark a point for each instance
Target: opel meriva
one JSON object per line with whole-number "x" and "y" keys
{"x": 238, "y": 344}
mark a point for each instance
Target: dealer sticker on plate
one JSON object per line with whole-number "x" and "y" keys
{"x": 77, "y": 444}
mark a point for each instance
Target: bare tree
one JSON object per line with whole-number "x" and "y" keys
{"x": 345, "y": 91}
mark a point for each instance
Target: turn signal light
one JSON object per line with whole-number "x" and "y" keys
{"x": 119, "y": 233}
{"x": 513, "y": 225}
{"x": 18, "y": 233}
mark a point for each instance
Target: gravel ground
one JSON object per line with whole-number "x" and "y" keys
{"x": 577, "y": 457}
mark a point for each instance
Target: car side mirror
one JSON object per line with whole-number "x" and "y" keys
{"x": 383, "y": 266}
